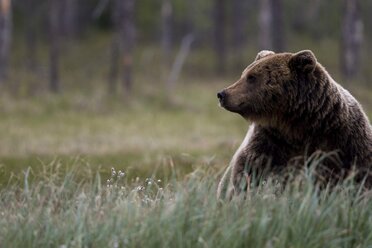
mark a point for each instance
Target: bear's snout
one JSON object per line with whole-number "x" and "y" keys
{"x": 221, "y": 96}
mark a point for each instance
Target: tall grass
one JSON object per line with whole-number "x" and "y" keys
{"x": 62, "y": 210}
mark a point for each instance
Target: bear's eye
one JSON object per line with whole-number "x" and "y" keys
{"x": 251, "y": 79}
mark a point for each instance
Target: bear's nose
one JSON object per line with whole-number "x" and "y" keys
{"x": 221, "y": 95}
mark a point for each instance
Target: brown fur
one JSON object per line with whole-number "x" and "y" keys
{"x": 295, "y": 108}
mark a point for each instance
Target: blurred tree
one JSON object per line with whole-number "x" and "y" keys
{"x": 265, "y": 27}
{"x": 352, "y": 37}
{"x": 29, "y": 10}
{"x": 5, "y": 36}
{"x": 271, "y": 29}
{"x": 69, "y": 15}
{"x": 238, "y": 28}
{"x": 54, "y": 45}
{"x": 166, "y": 16}
{"x": 220, "y": 35}
{"x": 123, "y": 43}
{"x": 127, "y": 34}
{"x": 178, "y": 63}
{"x": 115, "y": 47}
{"x": 278, "y": 32}
{"x": 39, "y": 21}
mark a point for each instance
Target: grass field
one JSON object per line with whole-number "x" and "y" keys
{"x": 57, "y": 151}
{"x": 61, "y": 210}
{"x": 137, "y": 135}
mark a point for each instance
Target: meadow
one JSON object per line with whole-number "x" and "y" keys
{"x": 139, "y": 135}
{"x": 58, "y": 188}
{"x": 60, "y": 209}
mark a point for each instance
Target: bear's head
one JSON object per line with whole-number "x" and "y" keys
{"x": 262, "y": 90}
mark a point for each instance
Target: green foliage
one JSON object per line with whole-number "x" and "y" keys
{"x": 61, "y": 210}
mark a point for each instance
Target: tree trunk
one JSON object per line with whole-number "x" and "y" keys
{"x": 352, "y": 37}
{"x": 178, "y": 63}
{"x": 271, "y": 31}
{"x": 127, "y": 32}
{"x": 277, "y": 25}
{"x": 238, "y": 30}
{"x": 115, "y": 47}
{"x": 220, "y": 35}
{"x": 166, "y": 14}
{"x": 5, "y": 36}
{"x": 113, "y": 76}
{"x": 265, "y": 27}
{"x": 54, "y": 36}
{"x": 30, "y": 34}
{"x": 68, "y": 17}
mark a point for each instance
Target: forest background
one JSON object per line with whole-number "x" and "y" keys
{"x": 132, "y": 84}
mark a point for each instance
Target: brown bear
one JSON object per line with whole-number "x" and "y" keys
{"x": 295, "y": 107}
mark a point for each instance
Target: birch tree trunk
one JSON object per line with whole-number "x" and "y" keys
{"x": 5, "y": 36}
{"x": 352, "y": 37}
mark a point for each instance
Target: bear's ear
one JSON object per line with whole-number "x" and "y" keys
{"x": 263, "y": 53}
{"x": 303, "y": 61}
